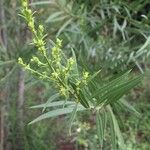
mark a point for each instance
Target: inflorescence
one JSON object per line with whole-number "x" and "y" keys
{"x": 63, "y": 72}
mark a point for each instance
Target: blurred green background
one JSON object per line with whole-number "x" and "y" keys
{"x": 112, "y": 35}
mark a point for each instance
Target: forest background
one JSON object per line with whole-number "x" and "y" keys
{"x": 108, "y": 35}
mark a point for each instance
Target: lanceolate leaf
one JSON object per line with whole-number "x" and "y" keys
{"x": 129, "y": 107}
{"x": 72, "y": 117}
{"x": 112, "y": 133}
{"x": 112, "y": 93}
{"x": 75, "y": 67}
{"x": 115, "y": 131}
{"x": 53, "y": 104}
{"x": 83, "y": 100}
{"x": 101, "y": 125}
{"x": 2, "y": 63}
{"x": 41, "y": 3}
{"x": 123, "y": 89}
{"x": 64, "y": 26}
{"x": 55, "y": 15}
{"x": 111, "y": 84}
{"x": 140, "y": 51}
{"x": 56, "y": 112}
{"x": 93, "y": 76}
{"x": 52, "y": 98}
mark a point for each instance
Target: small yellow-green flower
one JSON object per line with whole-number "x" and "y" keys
{"x": 55, "y": 75}
{"x": 20, "y": 61}
{"x": 71, "y": 61}
{"x": 85, "y": 75}
{"x": 59, "y": 42}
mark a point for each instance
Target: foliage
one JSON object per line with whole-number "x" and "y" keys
{"x": 76, "y": 85}
{"x": 106, "y": 35}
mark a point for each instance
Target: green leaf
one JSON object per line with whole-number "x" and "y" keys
{"x": 2, "y": 63}
{"x": 8, "y": 74}
{"x": 119, "y": 87}
{"x": 93, "y": 76}
{"x": 83, "y": 100}
{"x": 129, "y": 107}
{"x": 75, "y": 71}
{"x": 53, "y": 104}
{"x": 63, "y": 27}
{"x": 112, "y": 133}
{"x": 41, "y": 3}
{"x": 55, "y": 15}
{"x": 56, "y": 112}
{"x": 73, "y": 114}
{"x": 141, "y": 50}
{"x": 63, "y": 3}
{"x": 52, "y": 98}
{"x": 115, "y": 131}
{"x": 101, "y": 125}
{"x": 111, "y": 84}
{"x": 122, "y": 89}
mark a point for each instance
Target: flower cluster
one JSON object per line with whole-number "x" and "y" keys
{"x": 57, "y": 68}
{"x": 61, "y": 71}
{"x": 26, "y": 66}
{"x": 36, "y": 60}
{"x": 38, "y": 34}
{"x": 56, "y": 53}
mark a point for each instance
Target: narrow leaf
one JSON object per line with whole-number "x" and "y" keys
{"x": 73, "y": 114}
{"x": 41, "y": 3}
{"x": 52, "y": 98}
{"x": 53, "y": 16}
{"x": 56, "y": 112}
{"x": 63, "y": 27}
{"x": 53, "y": 104}
{"x": 117, "y": 132}
{"x": 100, "y": 126}
{"x": 129, "y": 107}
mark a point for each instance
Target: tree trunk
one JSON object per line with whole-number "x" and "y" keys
{"x": 4, "y": 95}
{"x": 20, "y": 140}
